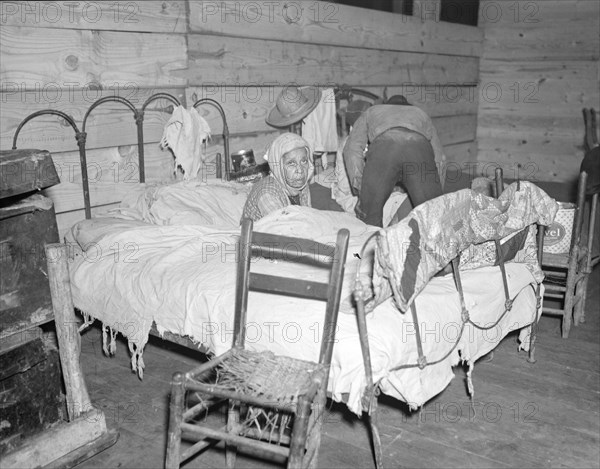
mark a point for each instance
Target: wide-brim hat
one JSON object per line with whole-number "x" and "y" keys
{"x": 293, "y": 104}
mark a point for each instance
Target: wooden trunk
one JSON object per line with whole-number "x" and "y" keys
{"x": 30, "y": 392}
{"x": 23, "y": 171}
{"x": 25, "y": 227}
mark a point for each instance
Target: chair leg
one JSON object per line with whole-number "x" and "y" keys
{"x": 567, "y": 316}
{"x": 314, "y": 458}
{"x": 579, "y": 314}
{"x": 175, "y": 420}
{"x": 233, "y": 420}
{"x": 374, "y": 423}
{"x": 532, "y": 340}
{"x": 315, "y": 425}
{"x": 571, "y": 284}
{"x": 299, "y": 431}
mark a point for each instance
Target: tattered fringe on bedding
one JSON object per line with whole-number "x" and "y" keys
{"x": 110, "y": 347}
{"x": 87, "y": 322}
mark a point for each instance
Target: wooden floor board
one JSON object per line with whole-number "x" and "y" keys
{"x": 500, "y": 429}
{"x": 560, "y": 393}
{"x": 498, "y": 421}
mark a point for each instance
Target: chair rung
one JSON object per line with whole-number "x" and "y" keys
{"x": 236, "y": 396}
{"x": 241, "y": 441}
{"x": 196, "y": 447}
{"x": 213, "y": 362}
{"x": 561, "y": 261}
{"x": 555, "y": 279}
{"x": 555, "y": 261}
{"x": 198, "y": 408}
{"x": 554, "y": 288}
{"x": 553, "y": 295}
{"x": 557, "y": 311}
{"x": 257, "y": 435}
{"x": 301, "y": 288}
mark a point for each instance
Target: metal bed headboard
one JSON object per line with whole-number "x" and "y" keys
{"x": 138, "y": 115}
{"x": 348, "y": 93}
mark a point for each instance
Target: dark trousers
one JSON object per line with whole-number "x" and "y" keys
{"x": 397, "y": 155}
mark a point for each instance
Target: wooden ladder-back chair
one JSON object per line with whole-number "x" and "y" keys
{"x": 286, "y": 396}
{"x": 567, "y": 273}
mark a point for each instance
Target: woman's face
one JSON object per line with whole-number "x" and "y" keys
{"x": 295, "y": 167}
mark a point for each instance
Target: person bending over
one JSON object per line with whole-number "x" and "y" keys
{"x": 289, "y": 158}
{"x": 403, "y": 146}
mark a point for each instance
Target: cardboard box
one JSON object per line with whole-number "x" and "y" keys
{"x": 557, "y": 239}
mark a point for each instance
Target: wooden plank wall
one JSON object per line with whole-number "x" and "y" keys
{"x": 539, "y": 69}
{"x": 65, "y": 55}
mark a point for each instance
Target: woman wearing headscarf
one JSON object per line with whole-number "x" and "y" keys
{"x": 289, "y": 159}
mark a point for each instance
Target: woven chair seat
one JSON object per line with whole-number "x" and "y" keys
{"x": 274, "y": 378}
{"x": 562, "y": 260}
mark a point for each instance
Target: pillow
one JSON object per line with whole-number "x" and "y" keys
{"x": 87, "y": 233}
{"x": 214, "y": 203}
{"x": 310, "y": 223}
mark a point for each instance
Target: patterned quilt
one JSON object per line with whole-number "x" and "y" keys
{"x": 464, "y": 222}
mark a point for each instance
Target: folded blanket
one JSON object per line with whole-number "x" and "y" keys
{"x": 319, "y": 127}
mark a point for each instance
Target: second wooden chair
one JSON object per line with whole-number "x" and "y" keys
{"x": 567, "y": 273}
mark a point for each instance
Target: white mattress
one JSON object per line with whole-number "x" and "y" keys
{"x": 181, "y": 276}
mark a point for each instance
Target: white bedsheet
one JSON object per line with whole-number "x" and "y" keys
{"x": 130, "y": 274}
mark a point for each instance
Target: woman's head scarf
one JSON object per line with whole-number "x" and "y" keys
{"x": 280, "y": 146}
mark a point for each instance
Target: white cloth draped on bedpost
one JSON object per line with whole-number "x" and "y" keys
{"x": 319, "y": 128}
{"x": 411, "y": 252}
{"x": 184, "y": 134}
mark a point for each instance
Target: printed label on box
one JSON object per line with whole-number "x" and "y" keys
{"x": 557, "y": 239}
{"x": 554, "y": 234}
